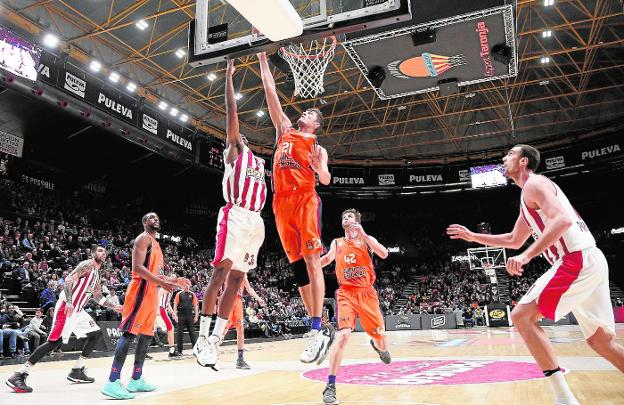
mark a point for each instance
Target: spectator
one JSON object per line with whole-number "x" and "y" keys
{"x": 36, "y": 330}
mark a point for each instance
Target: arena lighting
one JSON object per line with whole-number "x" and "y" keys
{"x": 264, "y": 14}
{"x": 184, "y": 118}
{"x": 546, "y": 34}
{"x": 50, "y": 40}
{"x": 85, "y": 113}
{"x": 141, "y": 24}
{"x": 180, "y": 53}
{"x": 125, "y": 131}
{"x": 162, "y": 105}
{"x": 260, "y": 113}
{"x": 548, "y": 3}
{"x": 211, "y": 76}
{"x": 173, "y": 111}
{"x": 238, "y": 96}
{"x": 544, "y": 60}
{"x": 95, "y": 66}
{"x": 131, "y": 87}
{"x": 114, "y": 77}
{"x": 37, "y": 91}
{"x": 62, "y": 103}
{"x": 8, "y": 77}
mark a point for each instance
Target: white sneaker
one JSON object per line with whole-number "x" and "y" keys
{"x": 209, "y": 356}
{"x": 318, "y": 345}
{"x": 199, "y": 345}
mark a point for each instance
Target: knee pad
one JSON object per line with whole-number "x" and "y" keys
{"x": 301, "y": 273}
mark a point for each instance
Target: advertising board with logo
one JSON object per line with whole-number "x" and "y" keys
{"x": 497, "y": 314}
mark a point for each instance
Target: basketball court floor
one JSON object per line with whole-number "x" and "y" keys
{"x": 472, "y": 366}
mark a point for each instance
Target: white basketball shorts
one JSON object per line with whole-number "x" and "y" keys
{"x": 240, "y": 233}
{"x": 577, "y": 283}
{"x": 79, "y": 323}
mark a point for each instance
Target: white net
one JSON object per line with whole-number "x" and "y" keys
{"x": 308, "y": 63}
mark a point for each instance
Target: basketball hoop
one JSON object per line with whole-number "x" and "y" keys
{"x": 308, "y": 64}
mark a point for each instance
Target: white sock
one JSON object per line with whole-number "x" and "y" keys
{"x": 25, "y": 368}
{"x": 204, "y": 325}
{"x": 171, "y": 349}
{"x": 80, "y": 363}
{"x": 219, "y": 327}
{"x": 560, "y": 388}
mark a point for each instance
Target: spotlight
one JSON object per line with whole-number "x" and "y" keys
{"x": 162, "y": 105}
{"x": 544, "y": 60}
{"x": 260, "y": 113}
{"x": 141, "y": 24}
{"x": 180, "y": 53}
{"x": 376, "y": 76}
{"x": 62, "y": 103}
{"x": 95, "y": 66}
{"x": 113, "y": 77}
{"x": 546, "y": 34}
{"x": 173, "y": 111}
{"x": 211, "y": 76}
{"x": 238, "y": 96}
{"x": 501, "y": 53}
{"x": 50, "y": 41}
{"x": 37, "y": 91}
{"x": 184, "y": 118}
{"x": 9, "y": 78}
{"x": 131, "y": 87}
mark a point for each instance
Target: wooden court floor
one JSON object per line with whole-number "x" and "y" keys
{"x": 473, "y": 366}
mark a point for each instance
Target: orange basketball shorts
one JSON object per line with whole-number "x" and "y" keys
{"x": 236, "y": 316}
{"x": 140, "y": 308}
{"x": 362, "y": 302}
{"x": 298, "y": 222}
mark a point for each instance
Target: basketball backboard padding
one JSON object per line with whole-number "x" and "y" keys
{"x": 321, "y": 18}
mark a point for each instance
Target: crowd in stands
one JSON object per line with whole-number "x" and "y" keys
{"x": 44, "y": 234}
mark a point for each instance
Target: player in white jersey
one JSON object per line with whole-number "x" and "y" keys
{"x": 163, "y": 321}
{"x": 578, "y": 280}
{"x": 240, "y": 230}
{"x": 81, "y": 285}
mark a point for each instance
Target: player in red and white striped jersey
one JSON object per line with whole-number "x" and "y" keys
{"x": 578, "y": 280}
{"x": 81, "y": 285}
{"x": 163, "y": 320}
{"x": 240, "y": 230}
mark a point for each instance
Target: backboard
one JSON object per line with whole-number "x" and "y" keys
{"x": 219, "y": 32}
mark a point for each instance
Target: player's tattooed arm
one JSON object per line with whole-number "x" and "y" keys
{"x": 73, "y": 277}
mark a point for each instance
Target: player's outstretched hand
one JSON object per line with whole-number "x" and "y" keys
{"x": 456, "y": 231}
{"x": 357, "y": 229}
{"x": 318, "y": 156}
{"x": 183, "y": 283}
{"x": 515, "y": 263}
{"x": 230, "y": 67}
{"x": 262, "y": 303}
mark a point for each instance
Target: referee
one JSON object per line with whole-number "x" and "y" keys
{"x": 184, "y": 304}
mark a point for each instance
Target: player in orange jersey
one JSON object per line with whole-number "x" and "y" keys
{"x": 356, "y": 295}
{"x": 297, "y": 161}
{"x": 140, "y": 307}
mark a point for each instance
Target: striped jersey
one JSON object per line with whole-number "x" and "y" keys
{"x": 164, "y": 298}
{"x": 354, "y": 264}
{"x": 243, "y": 181}
{"x": 291, "y": 163}
{"x": 576, "y": 237}
{"x": 83, "y": 289}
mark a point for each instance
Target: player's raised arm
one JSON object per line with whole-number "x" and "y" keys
{"x": 512, "y": 240}
{"x": 318, "y": 161}
{"x": 280, "y": 120}
{"x": 233, "y": 140}
{"x": 377, "y": 248}
{"x": 330, "y": 256}
{"x": 539, "y": 191}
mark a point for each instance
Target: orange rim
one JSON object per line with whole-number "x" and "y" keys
{"x": 317, "y": 56}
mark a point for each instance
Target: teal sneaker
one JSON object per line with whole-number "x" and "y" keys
{"x": 140, "y": 385}
{"x": 116, "y": 390}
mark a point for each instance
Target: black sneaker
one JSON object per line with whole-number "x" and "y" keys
{"x": 78, "y": 375}
{"x": 148, "y": 357}
{"x": 383, "y": 356}
{"x": 176, "y": 355}
{"x": 329, "y": 395}
{"x": 18, "y": 383}
{"x": 240, "y": 364}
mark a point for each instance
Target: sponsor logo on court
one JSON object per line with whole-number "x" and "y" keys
{"x": 75, "y": 85}
{"x": 348, "y": 180}
{"x": 386, "y": 179}
{"x": 594, "y": 153}
{"x": 438, "y": 321}
{"x": 432, "y": 372}
{"x": 555, "y": 162}
{"x": 484, "y": 43}
{"x": 150, "y": 124}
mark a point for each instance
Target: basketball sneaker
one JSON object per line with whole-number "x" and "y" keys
{"x": 116, "y": 390}
{"x": 318, "y": 345}
{"x": 241, "y": 364}
{"x": 78, "y": 375}
{"x": 199, "y": 345}
{"x": 18, "y": 383}
{"x": 209, "y": 356}
{"x": 329, "y": 395}
{"x": 176, "y": 355}
{"x": 383, "y": 355}
{"x": 140, "y": 385}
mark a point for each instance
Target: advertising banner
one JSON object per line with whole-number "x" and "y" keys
{"x": 11, "y": 144}
{"x": 497, "y": 314}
